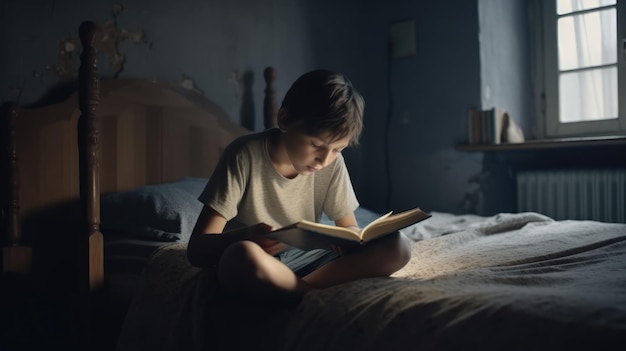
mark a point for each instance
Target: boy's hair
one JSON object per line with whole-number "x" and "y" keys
{"x": 323, "y": 101}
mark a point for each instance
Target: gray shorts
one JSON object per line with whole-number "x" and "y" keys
{"x": 304, "y": 262}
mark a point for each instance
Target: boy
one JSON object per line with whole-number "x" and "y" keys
{"x": 282, "y": 175}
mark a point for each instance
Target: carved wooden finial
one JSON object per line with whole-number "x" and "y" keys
{"x": 87, "y": 33}
{"x": 88, "y": 81}
{"x": 270, "y": 108}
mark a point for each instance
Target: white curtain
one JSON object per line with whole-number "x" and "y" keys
{"x": 587, "y": 47}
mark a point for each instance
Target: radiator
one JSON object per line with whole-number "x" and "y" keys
{"x": 594, "y": 194}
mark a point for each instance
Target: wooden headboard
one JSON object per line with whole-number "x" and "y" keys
{"x": 134, "y": 133}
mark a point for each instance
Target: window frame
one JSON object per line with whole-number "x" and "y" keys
{"x": 548, "y": 98}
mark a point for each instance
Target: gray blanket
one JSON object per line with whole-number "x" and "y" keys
{"x": 511, "y": 281}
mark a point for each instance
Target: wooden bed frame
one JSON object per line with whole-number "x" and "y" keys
{"x": 45, "y": 169}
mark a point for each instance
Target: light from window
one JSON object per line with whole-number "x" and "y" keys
{"x": 588, "y": 95}
{"x": 567, "y": 6}
{"x": 587, "y": 59}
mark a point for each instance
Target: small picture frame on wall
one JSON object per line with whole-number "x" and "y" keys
{"x": 403, "y": 39}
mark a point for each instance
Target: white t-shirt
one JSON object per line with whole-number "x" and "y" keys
{"x": 246, "y": 188}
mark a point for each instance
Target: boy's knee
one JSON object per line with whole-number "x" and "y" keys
{"x": 397, "y": 251}
{"x": 239, "y": 261}
{"x": 242, "y": 252}
{"x": 404, "y": 249}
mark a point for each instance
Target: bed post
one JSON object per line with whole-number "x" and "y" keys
{"x": 15, "y": 257}
{"x": 89, "y": 153}
{"x": 269, "y": 104}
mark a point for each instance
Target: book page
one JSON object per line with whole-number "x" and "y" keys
{"x": 375, "y": 221}
{"x": 392, "y": 223}
{"x": 329, "y": 230}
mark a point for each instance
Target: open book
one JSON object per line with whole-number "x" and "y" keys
{"x": 307, "y": 235}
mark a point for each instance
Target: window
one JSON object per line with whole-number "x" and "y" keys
{"x": 584, "y": 56}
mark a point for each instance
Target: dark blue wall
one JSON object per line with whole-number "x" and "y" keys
{"x": 416, "y": 106}
{"x": 422, "y": 100}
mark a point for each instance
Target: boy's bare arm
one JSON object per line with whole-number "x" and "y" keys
{"x": 207, "y": 243}
{"x": 348, "y": 221}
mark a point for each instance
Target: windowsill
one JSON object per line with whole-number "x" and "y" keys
{"x": 562, "y": 143}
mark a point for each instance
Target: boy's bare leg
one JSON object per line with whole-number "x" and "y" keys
{"x": 246, "y": 269}
{"x": 388, "y": 255}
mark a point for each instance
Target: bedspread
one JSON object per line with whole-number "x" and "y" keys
{"x": 510, "y": 281}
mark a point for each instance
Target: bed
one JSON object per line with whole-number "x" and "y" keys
{"x": 509, "y": 281}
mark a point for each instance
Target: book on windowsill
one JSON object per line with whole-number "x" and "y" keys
{"x": 307, "y": 235}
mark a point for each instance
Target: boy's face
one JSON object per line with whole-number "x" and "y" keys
{"x": 310, "y": 153}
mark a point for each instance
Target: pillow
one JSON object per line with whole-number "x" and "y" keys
{"x": 160, "y": 212}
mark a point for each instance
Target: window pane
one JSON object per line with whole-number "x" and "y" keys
{"x": 588, "y": 95}
{"x": 567, "y": 6}
{"x": 587, "y": 39}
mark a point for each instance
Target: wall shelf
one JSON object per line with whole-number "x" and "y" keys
{"x": 562, "y": 143}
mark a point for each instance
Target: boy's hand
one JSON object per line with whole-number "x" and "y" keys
{"x": 256, "y": 234}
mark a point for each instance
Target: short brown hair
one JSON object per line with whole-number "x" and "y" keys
{"x": 324, "y": 101}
